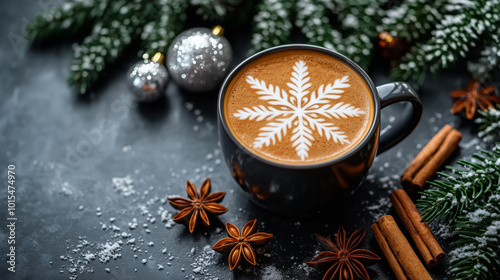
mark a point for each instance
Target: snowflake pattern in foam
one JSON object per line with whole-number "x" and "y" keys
{"x": 299, "y": 111}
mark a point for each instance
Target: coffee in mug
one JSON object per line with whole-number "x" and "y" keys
{"x": 298, "y": 107}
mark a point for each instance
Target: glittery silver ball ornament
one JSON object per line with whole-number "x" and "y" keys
{"x": 148, "y": 78}
{"x": 198, "y": 59}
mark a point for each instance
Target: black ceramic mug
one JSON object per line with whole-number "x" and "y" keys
{"x": 296, "y": 188}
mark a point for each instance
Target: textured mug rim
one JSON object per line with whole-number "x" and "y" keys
{"x": 373, "y": 91}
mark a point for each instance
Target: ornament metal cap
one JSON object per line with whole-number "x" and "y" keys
{"x": 158, "y": 58}
{"x": 218, "y": 30}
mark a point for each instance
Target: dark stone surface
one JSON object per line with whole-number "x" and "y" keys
{"x": 45, "y": 128}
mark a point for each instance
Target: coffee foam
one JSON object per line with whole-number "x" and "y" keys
{"x": 276, "y": 70}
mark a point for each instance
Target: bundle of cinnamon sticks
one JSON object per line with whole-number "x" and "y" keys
{"x": 396, "y": 248}
{"x": 426, "y": 243}
{"x": 432, "y": 156}
{"x": 398, "y": 252}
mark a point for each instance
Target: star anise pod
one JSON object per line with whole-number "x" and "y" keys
{"x": 241, "y": 243}
{"x": 198, "y": 205}
{"x": 345, "y": 261}
{"x": 473, "y": 96}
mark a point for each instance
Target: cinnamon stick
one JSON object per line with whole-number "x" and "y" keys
{"x": 398, "y": 252}
{"x": 432, "y": 156}
{"x": 426, "y": 243}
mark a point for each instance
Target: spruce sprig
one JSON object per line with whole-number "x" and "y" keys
{"x": 413, "y": 19}
{"x": 470, "y": 187}
{"x": 161, "y": 31}
{"x": 312, "y": 20}
{"x": 488, "y": 59}
{"x": 490, "y": 123}
{"x": 66, "y": 21}
{"x": 476, "y": 252}
{"x": 106, "y": 43}
{"x": 272, "y": 24}
{"x": 464, "y": 24}
{"x": 214, "y": 9}
{"x": 113, "y": 27}
{"x": 359, "y": 19}
{"x": 469, "y": 200}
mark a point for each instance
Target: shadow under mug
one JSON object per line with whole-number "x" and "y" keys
{"x": 293, "y": 189}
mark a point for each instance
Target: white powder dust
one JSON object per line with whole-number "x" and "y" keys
{"x": 124, "y": 185}
{"x": 271, "y": 273}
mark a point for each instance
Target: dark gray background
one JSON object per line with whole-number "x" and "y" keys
{"x": 43, "y": 123}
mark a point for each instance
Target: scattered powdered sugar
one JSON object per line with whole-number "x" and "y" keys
{"x": 122, "y": 234}
{"x": 380, "y": 204}
{"x": 304, "y": 268}
{"x": 89, "y": 256}
{"x": 133, "y": 224}
{"x": 149, "y": 214}
{"x": 380, "y": 208}
{"x": 79, "y": 257}
{"x": 109, "y": 251}
{"x": 70, "y": 190}
{"x": 203, "y": 261}
{"x": 124, "y": 185}
{"x": 271, "y": 273}
{"x": 166, "y": 217}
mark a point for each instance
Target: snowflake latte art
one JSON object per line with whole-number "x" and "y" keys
{"x": 297, "y": 107}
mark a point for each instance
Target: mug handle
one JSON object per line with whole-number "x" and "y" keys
{"x": 395, "y": 132}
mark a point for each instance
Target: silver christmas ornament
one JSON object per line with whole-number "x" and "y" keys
{"x": 198, "y": 59}
{"x": 148, "y": 78}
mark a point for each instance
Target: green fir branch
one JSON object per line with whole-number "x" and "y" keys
{"x": 453, "y": 27}
{"x": 413, "y": 19}
{"x": 356, "y": 14}
{"x": 329, "y": 4}
{"x": 359, "y": 48}
{"x": 490, "y": 123}
{"x": 476, "y": 252}
{"x": 272, "y": 24}
{"x": 107, "y": 42}
{"x": 468, "y": 186}
{"x": 359, "y": 20}
{"x": 488, "y": 60}
{"x": 470, "y": 201}
{"x": 214, "y": 9}
{"x": 113, "y": 26}
{"x": 161, "y": 31}
{"x": 65, "y": 21}
{"x": 460, "y": 30}
{"x": 312, "y": 20}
